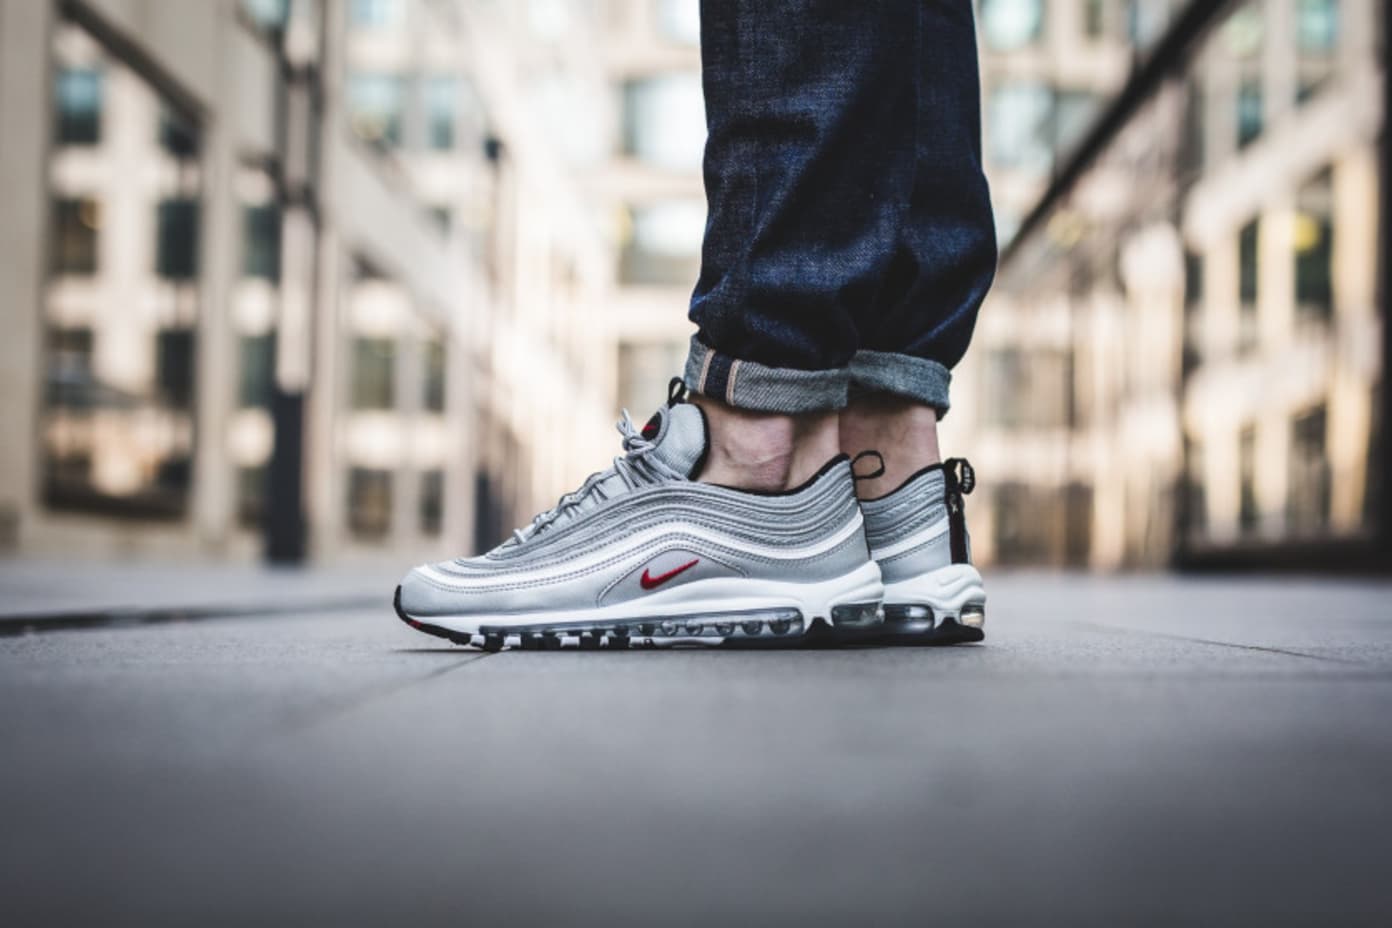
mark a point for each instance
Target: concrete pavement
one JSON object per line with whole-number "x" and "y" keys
{"x": 49, "y": 593}
{"x": 1121, "y": 751}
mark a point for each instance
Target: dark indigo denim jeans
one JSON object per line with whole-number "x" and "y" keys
{"x": 849, "y": 240}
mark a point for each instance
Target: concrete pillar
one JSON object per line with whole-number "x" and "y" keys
{"x": 25, "y": 95}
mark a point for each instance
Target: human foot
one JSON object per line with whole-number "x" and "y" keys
{"x": 644, "y": 552}
{"x": 918, "y": 535}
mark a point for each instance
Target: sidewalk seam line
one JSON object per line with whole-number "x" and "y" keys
{"x": 1220, "y": 644}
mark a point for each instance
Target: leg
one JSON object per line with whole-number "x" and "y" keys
{"x": 809, "y": 169}
{"x": 903, "y": 431}
{"x": 944, "y": 257}
{"x": 912, "y": 335}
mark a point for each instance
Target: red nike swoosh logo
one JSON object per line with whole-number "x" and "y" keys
{"x": 649, "y": 582}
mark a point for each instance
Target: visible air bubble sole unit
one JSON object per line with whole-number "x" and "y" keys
{"x": 940, "y": 607}
{"x": 917, "y": 626}
{"x": 911, "y": 624}
{"x": 746, "y": 628}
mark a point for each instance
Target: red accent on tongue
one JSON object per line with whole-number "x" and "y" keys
{"x": 650, "y": 428}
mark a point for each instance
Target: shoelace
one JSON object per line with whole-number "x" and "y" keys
{"x": 633, "y": 467}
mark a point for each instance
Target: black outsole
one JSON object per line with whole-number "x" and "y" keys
{"x": 426, "y": 627}
{"x": 946, "y": 633}
{"x": 750, "y": 629}
{"x": 817, "y": 634}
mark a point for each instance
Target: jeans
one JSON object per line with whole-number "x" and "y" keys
{"x": 849, "y": 239}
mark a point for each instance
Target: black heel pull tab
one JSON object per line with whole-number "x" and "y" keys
{"x": 960, "y": 480}
{"x": 877, "y": 472}
{"x": 676, "y": 392}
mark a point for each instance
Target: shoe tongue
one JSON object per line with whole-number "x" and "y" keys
{"x": 678, "y": 434}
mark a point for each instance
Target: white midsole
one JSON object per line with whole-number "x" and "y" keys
{"x": 946, "y": 590}
{"x": 699, "y": 597}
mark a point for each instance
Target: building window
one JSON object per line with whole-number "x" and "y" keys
{"x": 374, "y": 14}
{"x": 663, "y": 244}
{"x": 178, "y": 134}
{"x": 1244, "y": 32}
{"x": 1317, "y": 26}
{"x": 1314, "y": 246}
{"x": 251, "y": 495}
{"x": 1077, "y": 524}
{"x": 1193, "y": 280}
{"x": 433, "y": 383}
{"x": 75, "y": 224}
{"x": 70, "y": 378}
{"x": 1073, "y": 112}
{"x": 1316, "y": 42}
{"x": 1195, "y": 493}
{"x": 443, "y": 217}
{"x": 1247, "y": 258}
{"x": 1191, "y": 157}
{"x": 441, "y": 104}
{"x": 1249, "y": 111}
{"x": 1010, "y": 24}
{"x": 176, "y": 255}
{"x": 256, "y": 370}
{"x": 1145, "y": 22}
{"x": 664, "y": 121}
{"x": 174, "y": 363}
{"x": 1307, "y": 502}
{"x": 375, "y": 106}
{"x": 679, "y": 21}
{"x": 261, "y": 242}
{"x": 67, "y": 478}
{"x": 374, "y": 373}
{"x": 432, "y": 502}
{"x": 490, "y": 511}
{"x": 1247, "y": 515}
{"x": 78, "y": 103}
{"x": 1019, "y": 120}
{"x": 1094, "y": 18}
{"x": 369, "y": 502}
{"x": 271, "y": 15}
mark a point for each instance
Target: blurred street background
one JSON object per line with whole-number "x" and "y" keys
{"x": 353, "y": 281}
{"x": 299, "y": 293}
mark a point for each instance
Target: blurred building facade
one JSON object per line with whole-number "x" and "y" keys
{"x": 1194, "y": 361}
{"x": 384, "y": 270}
{"x": 274, "y": 260}
{"x": 613, "y": 88}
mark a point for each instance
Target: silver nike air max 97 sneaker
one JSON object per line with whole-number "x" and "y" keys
{"x": 643, "y": 553}
{"x": 918, "y": 536}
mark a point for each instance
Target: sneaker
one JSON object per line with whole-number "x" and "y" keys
{"x": 642, "y": 552}
{"x": 918, "y": 536}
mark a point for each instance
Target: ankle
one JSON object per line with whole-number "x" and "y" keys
{"x": 765, "y": 451}
{"x": 903, "y": 431}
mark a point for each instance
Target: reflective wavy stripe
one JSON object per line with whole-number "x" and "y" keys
{"x": 639, "y": 547}
{"x": 935, "y": 530}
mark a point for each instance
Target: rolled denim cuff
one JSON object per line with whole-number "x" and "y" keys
{"x": 916, "y": 378}
{"x": 747, "y": 385}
